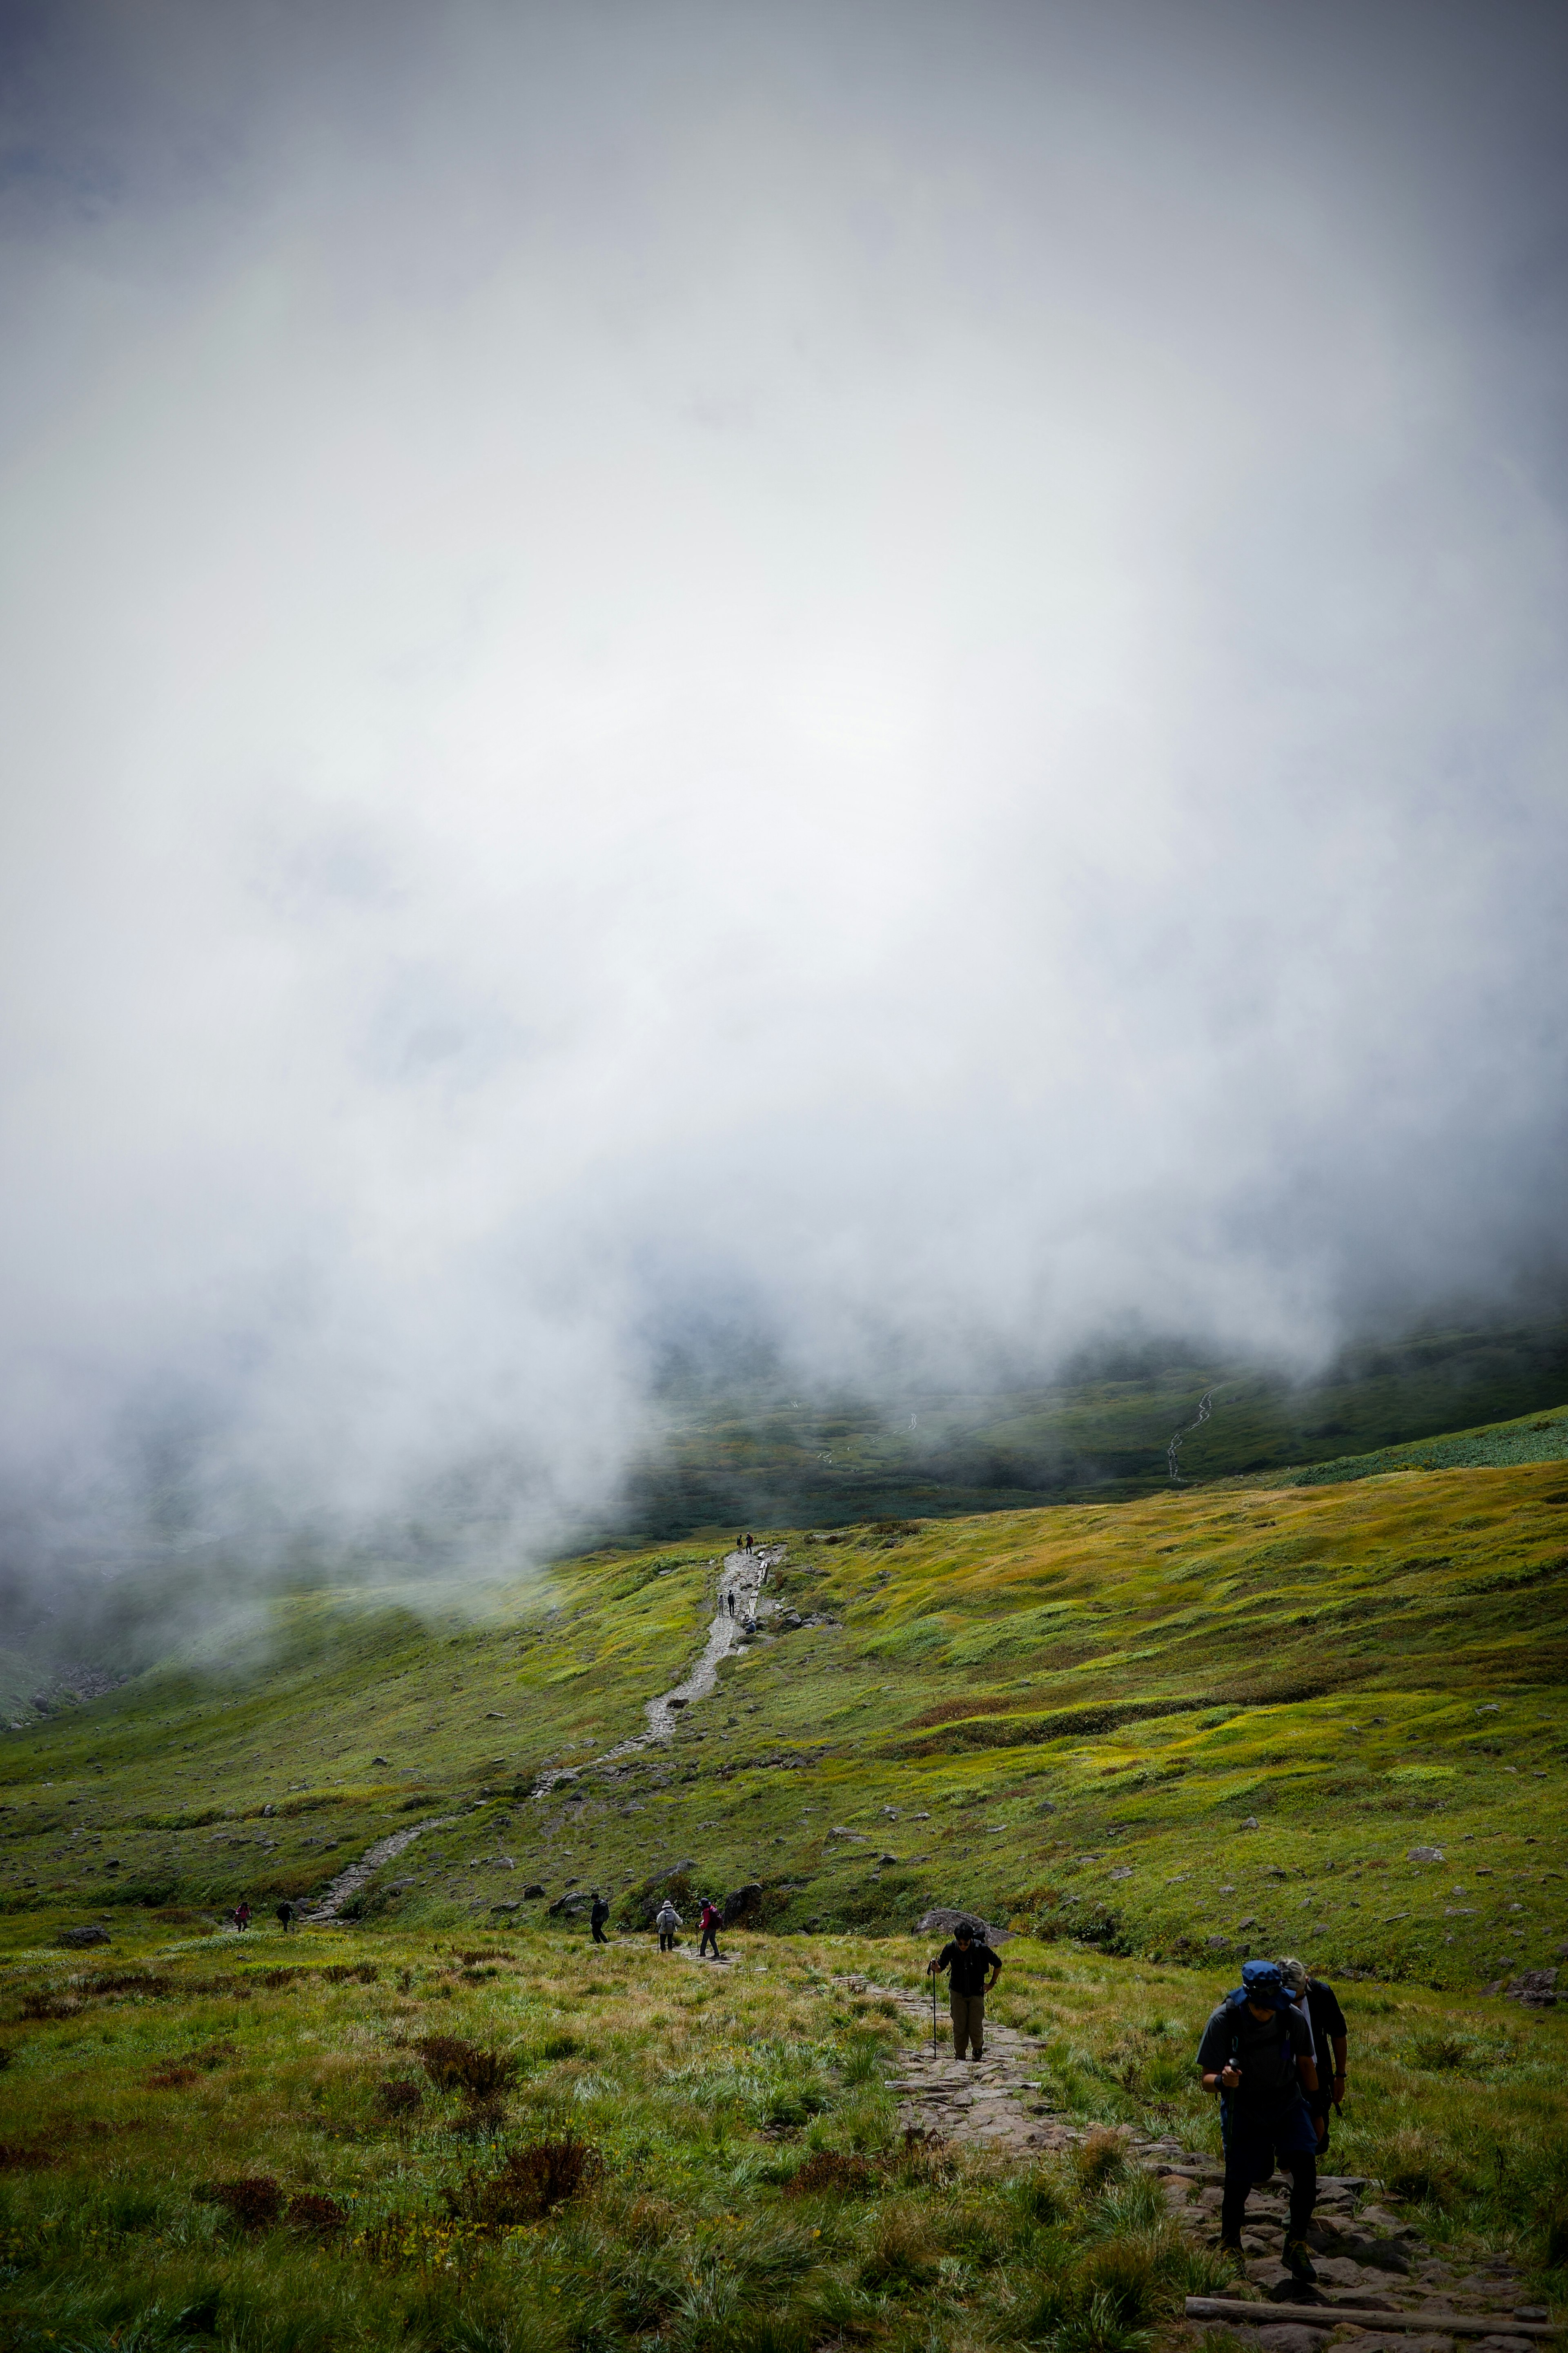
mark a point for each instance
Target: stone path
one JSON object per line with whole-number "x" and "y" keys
{"x": 1370, "y": 2261}
{"x": 348, "y": 1882}
{"x": 743, "y": 1575}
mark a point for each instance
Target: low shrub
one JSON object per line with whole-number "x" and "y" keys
{"x": 534, "y": 2180}
{"x": 833, "y": 2170}
{"x": 454, "y": 2065}
{"x": 400, "y": 2095}
{"x": 315, "y": 2216}
{"x": 255, "y": 2203}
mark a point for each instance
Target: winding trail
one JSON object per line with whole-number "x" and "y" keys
{"x": 1205, "y": 1409}
{"x": 742, "y": 1575}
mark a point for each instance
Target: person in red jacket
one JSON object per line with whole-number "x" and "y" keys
{"x": 709, "y": 1928}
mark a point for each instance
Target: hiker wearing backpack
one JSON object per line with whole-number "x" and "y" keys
{"x": 597, "y": 1917}
{"x": 1318, "y": 2005}
{"x": 667, "y": 1920}
{"x": 1257, "y": 2053}
{"x": 973, "y": 1969}
{"x": 709, "y": 1928}
{"x": 285, "y": 1916}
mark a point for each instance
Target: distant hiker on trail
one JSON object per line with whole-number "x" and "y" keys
{"x": 242, "y": 1915}
{"x": 1319, "y": 2005}
{"x": 709, "y": 1928}
{"x": 286, "y": 1917}
{"x": 730, "y": 1598}
{"x": 968, "y": 1958}
{"x": 597, "y": 1917}
{"x": 751, "y": 1541}
{"x": 740, "y": 1543}
{"x": 667, "y": 1920}
{"x": 1257, "y": 2053}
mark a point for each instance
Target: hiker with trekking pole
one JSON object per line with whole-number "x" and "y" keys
{"x": 1257, "y": 2053}
{"x": 967, "y": 1959}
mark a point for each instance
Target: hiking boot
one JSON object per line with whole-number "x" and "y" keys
{"x": 1299, "y": 2261}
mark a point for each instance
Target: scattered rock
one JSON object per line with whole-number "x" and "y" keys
{"x": 1536, "y": 1989}
{"x": 534, "y": 1887}
{"x": 1289, "y": 2337}
{"x": 1423, "y": 1855}
{"x": 1250, "y": 1824}
{"x": 887, "y": 1858}
{"x": 374, "y": 1760}
{"x": 75, "y": 1936}
{"x": 742, "y": 1903}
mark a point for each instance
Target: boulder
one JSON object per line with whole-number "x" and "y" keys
{"x": 742, "y": 1903}
{"x": 75, "y": 1936}
{"x": 534, "y": 1887}
{"x": 941, "y": 1920}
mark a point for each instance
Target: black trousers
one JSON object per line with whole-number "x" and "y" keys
{"x": 666, "y": 1944}
{"x": 709, "y": 1937}
{"x": 1249, "y": 2158}
{"x": 599, "y": 1935}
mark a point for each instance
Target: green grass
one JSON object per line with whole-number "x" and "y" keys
{"x": 756, "y": 1446}
{"x": 136, "y": 2096}
{"x": 1060, "y": 1718}
{"x": 1531, "y": 1437}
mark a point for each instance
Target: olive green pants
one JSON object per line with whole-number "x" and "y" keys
{"x": 968, "y": 2014}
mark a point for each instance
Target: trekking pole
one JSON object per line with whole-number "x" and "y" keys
{"x": 933, "y": 2013}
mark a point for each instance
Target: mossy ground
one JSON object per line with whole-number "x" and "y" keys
{"x": 135, "y": 2091}
{"x": 1059, "y": 1717}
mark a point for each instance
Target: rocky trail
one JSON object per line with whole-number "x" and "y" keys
{"x": 1379, "y": 2284}
{"x": 740, "y": 1581}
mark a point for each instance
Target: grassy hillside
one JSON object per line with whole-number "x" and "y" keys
{"x": 328, "y": 2145}
{"x": 1151, "y": 1735}
{"x": 1063, "y": 1717}
{"x": 749, "y": 1446}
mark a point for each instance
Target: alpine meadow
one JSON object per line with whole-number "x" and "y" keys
{"x": 783, "y": 1100}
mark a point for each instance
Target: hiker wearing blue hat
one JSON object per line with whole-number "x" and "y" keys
{"x": 1257, "y": 2053}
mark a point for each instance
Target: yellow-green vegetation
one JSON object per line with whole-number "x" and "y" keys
{"x": 1065, "y": 1718}
{"x": 395, "y": 2138}
{"x": 1149, "y": 1735}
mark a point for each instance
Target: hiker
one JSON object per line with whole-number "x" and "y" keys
{"x": 751, "y": 1541}
{"x": 286, "y": 1917}
{"x": 729, "y": 1601}
{"x": 667, "y": 1920}
{"x": 1319, "y": 2006}
{"x": 968, "y": 1959}
{"x": 242, "y": 1916}
{"x": 597, "y": 1917}
{"x": 1257, "y": 2053}
{"x": 710, "y": 1917}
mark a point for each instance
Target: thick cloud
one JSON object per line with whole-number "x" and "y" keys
{"x": 894, "y": 672}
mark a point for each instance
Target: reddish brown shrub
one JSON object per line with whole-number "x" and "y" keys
{"x": 834, "y": 2170}
{"x": 541, "y": 2175}
{"x": 20, "y": 2157}
{"x": 255, "y": 2203}
{"x": 454, "y": 2065}
{"x": 399, "y": 2097}
{"x": 314, "y": 2216}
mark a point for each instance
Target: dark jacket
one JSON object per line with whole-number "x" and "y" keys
{"x": 969, "y": 1968}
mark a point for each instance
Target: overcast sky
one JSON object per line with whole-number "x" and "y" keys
{"x": 893, "y": 671}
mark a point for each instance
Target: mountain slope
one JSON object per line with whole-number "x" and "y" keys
{"x": 1059, "y": 1716}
